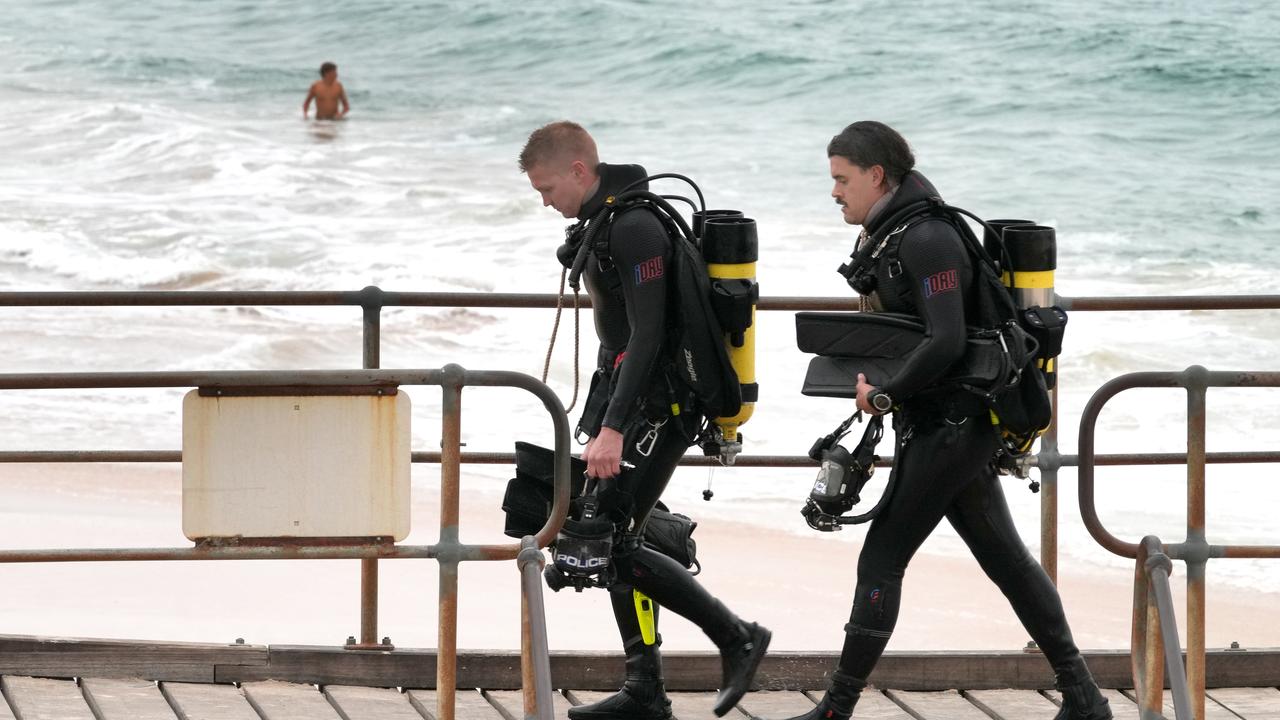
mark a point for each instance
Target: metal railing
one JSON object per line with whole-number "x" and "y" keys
{"x": 1196, "y": 551}
{"x": 372, "y": 300}
{"x": 448, "y": 551}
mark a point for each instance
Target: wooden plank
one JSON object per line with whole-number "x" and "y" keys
{"x": 1212, "y": 710}
{"x": 362, "y": 703}
{"x": 376, "y": 668}
{"x": 44, "y": 699}
{"x": 77, "y": 657}
{"x": 208, "y": 702}
{"x": 125, "y": 699}
{"x": 416, "y": 668}
{"x": 1251, "y": 703}
{"x": 1215, "y": 711}
{"x": 470, "y": 705}
{"x": 948, "y": 704}
{"x": 1013, "y": 704}
{"x": 1122, "y": 705}
{"x": 775, "y": 704}
{"x": 288, "y": 701}
{"x": 901, "y": 670}
{"x": 511, "y": 704}
{"x": 695, "y": 705}
{"x": 875, "y": 705}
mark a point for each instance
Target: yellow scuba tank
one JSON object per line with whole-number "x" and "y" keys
{"x": 1033, "y": 257}
{"x": 1028, "y": 256}
{"x": 730, "y": 248}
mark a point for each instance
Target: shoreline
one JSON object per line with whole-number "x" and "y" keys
{"x": 798, "y": 585}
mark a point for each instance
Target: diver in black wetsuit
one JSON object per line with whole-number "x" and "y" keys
{"x": 627, "y": 283}
{"x": 947, "y": 442}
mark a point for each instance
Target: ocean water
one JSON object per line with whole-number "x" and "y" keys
{"x": 161, "y": 145}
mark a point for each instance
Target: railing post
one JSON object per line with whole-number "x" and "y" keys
{"x": 1049, "y": 493}
{"x": 450, "y": 479}
{"x": 1147, "y": 645}
{"x": 371, "y": 304}
{"x": 534, "y": 646}
{"x": 1197, "y": 385}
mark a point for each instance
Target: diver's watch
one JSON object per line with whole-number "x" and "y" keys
{"x": 881, "y": 401}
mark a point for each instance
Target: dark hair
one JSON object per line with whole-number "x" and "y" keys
{"x": 325, "y": 68}
{"x": 867, "y": 143}
{"x": 558, "y": 140}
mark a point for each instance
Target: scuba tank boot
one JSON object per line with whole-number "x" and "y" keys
{"x": 837, "y": 704}
{"x": 739, "y": 660}
{"x": 742, "y": 645}
{"x": 642, "y": 697}
{"x": 1081, "y": 699}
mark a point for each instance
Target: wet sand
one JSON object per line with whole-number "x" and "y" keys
{"x": 799, "y": 585}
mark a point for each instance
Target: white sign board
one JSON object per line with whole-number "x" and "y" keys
{"x": 295, "y": 466}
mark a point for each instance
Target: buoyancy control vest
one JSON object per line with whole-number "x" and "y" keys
{"x": 709, "y": 348}
{"x": 1008, "y": 351}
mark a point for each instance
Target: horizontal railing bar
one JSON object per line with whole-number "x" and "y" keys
{"x": 290, "y": 550}
{"x": 268, "y": 549}
{"x": 215, "y": 379}
{"x": 375, "y": 297}
{"x": 1221, "y": 458}
{"x": 507, "y": 458}
{"x": 1170, "y": 302}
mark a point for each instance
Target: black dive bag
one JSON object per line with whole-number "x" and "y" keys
{"x": 527, "y": 503}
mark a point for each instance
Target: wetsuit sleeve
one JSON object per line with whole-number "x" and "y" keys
{"x": 935, "y": 262}
{"x": 641, "y": 253}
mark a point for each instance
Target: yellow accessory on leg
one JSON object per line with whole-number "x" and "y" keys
{"x": 644, "y": 613}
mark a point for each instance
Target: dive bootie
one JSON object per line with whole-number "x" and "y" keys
{"x": 626, "y": 704}
{"x": 1081, "y": 700}
{"x": 739, "y": 662}
{"x": 642, "y": 697}
{"x": 837, "y": 704}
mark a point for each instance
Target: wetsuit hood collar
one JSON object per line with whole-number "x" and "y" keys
{"x": 612, "y": 179}
{"x": 914, "y": 188}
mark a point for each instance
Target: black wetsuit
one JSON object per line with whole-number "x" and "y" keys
{"x": 944, "y": 459}
{"x": 627, "y": 281}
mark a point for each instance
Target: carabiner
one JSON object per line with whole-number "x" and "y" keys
{"x": 645, "y": 444}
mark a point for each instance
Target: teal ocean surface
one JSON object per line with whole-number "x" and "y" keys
{"x": 161, "y": 145}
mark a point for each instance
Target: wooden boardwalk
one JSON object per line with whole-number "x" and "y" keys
{"x": 28, "y": 698}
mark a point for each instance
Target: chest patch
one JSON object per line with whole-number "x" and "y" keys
{"x": 944, "y": 281}
{"x": 650, "y": 269}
